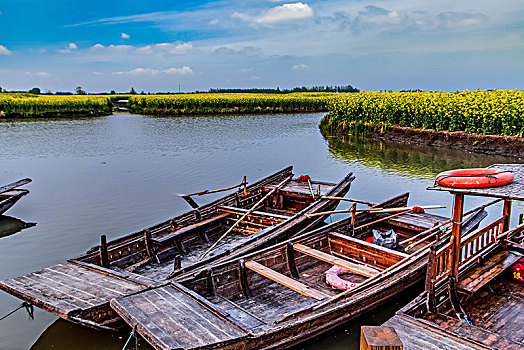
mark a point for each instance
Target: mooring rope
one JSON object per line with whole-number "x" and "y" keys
{"x": 133, "y": 334}
{"x": 28, "y": 307}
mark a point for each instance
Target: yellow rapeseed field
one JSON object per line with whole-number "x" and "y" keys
{"x": 486, "y": 112}
{"x": 29, "y": 105}
{"x": 205, "y": 103}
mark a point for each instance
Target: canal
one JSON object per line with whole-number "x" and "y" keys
{"x": 122, "y": 173}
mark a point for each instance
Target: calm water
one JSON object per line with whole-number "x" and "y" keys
{"x": 122, "y": 173}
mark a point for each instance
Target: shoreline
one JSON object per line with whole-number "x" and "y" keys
{"x": 508, "y": 146}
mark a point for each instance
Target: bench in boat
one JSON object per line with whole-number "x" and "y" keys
{"x": 333, "y": 260}
{"x": 484, "y": 274}
{"x": 286, "y": 281}
{"x": 234, "y": 210}
{"x": 186, "y": 229}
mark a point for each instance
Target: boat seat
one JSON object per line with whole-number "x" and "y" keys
{"x": 348, "y": 265}
{"x": 482, "y": 275}
{"x": 186, "y": 229}
{"x": 286, "y": 281}
{"x": 235, "y": 210}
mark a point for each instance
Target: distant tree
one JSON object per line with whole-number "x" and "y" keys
{"x": 79, "y": 91}
{"x": 0, "y": 89}
{"x": 113, "y": 92}
{"x": 132, "y": 91}
{"x": 142, "y": 93}
{"x": 35, "y": 91}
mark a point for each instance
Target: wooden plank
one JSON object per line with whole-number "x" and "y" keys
{"x": 66, "y": 288}
{"x": 169, "y": 319}
{"x": 379, "y": 338}
{"x": 482, "y": 275}
{"x": 188, "y": 228}
{"x": 356, "y": 268}
{"x": 286, "y": 281}
{"x": 234, "y": 210}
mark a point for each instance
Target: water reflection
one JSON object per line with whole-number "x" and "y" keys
{"x": 415, "y": 161}
{"x": 10, "y": 225}
{"x": 63, "y": 335}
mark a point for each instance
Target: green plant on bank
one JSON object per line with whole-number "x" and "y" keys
{"x": 486, "y": 112}
{"x": 29, "y": 105}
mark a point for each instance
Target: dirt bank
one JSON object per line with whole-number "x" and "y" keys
{"x": 509, "y": 146}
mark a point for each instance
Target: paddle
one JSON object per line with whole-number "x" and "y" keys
{"x": 15, "y": 185}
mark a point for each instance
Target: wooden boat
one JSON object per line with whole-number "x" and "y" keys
{"x": 79, "y": 290}
{"x": 471, "y": 300}
{"x": 10, "y": 194}
{"x": 277, "y": 297}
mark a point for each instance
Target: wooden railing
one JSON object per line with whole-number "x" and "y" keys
{"x": 477, "y": 240}
{"x": 440, "y": 261}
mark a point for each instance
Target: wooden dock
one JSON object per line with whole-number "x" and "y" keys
{"x": 416, "y": 336}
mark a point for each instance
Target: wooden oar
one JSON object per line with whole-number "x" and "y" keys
{"x": 310, "y": 189}
{"x": 376, "y": 210}
{"x": 192, "y": 203}
{"x": 244, "y": 216}
{"x": 366, "y": 282}
{"x": 383, "y": 219}
{"x": 348, "y": 200}
{"x": 421, "y": 234}
{"x": 15, "y": 185}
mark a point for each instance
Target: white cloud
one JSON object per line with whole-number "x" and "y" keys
{"x": 246, "y": 70}
{"x": 214, "y": 21}
{"x": 125, "y": 36}
{"x": 299, "y": 66}
{"x": 180, "y": 71}
{"x": 73, "y": 46}
{"x": 148, "y": 71}
{"x": 4, "y": 51}
{"x": 43, "y": 74}
{"x": 277, "y": 15}
{"x": 452, "y": 19}
{"x": 171, "y": 48}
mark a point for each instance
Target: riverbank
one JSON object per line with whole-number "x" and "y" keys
{"x": 496, "y": 145}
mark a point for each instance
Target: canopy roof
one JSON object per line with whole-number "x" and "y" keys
{"x": 514, "y": 190}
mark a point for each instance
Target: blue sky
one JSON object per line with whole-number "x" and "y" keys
{"x": 159, "y": 45}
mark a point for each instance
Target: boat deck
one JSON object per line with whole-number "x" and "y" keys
{"x": 67, "y": 289}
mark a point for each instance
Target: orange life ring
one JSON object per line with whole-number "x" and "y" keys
{"x": 474, "y": 178}
{"x": 335, "y": 281}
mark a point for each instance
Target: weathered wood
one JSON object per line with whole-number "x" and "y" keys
{"x": 15, "y": 185}
{"x": 379, "y": 338}
{"x": 482, "y": 275}
{"x": 382, "y": 219}
{"x": 243, "y": 217}
{"x": 286, "y": 281}
{"x": 506, "y": 212}
{"x": 186, "y": 229}
{"x": 290, "y": 254}
{"x": 431, "y": 302}
{"x": 161, "y": 316}
{"x": 356, "y": 268}
{"x": 234, "y": 210}
{"x": 243, "y": 277}
{"x": 458, "y": 206}
{"x": 374, "y": 210}
{"x": 349, "y": 200}
{"x": 104, "y": 260}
